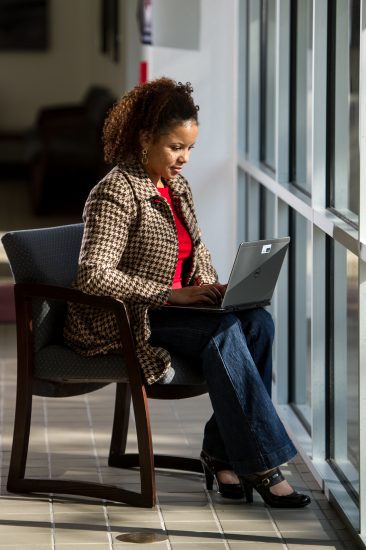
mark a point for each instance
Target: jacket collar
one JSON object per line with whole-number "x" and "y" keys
{"x": 144, "y": 187}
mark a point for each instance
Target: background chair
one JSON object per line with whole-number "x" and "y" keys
{"x": 65, "y": 153}
{"x": 44, "y": 263}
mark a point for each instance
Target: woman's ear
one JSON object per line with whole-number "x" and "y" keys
{"x": 144, "y": 138}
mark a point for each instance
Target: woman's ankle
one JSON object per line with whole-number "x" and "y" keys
{"x": 228, "y": 477}
{"x": 283, "y": 488}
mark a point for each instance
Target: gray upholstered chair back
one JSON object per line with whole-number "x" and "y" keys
{"x": 46, "y": 256}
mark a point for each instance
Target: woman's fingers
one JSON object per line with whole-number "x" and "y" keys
{"x": 195, "y": 294}
{"x": 214, "y": 292}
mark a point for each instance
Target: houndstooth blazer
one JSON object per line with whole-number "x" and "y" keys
{"x": 129, "y": 251}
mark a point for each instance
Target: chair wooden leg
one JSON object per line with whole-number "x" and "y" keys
{"x": 22, "y": 423}
{"x": 17, "y": 483}
{"x": 144, "y": 440}
{"x": 120, "y": 423}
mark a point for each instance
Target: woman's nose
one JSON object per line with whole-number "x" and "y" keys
{"x": 184, "y": 156}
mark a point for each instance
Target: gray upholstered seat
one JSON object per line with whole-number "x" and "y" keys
{"x": 44, "y": 264}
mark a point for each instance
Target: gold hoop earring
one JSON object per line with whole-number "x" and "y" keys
{"x": 144, "y": 156}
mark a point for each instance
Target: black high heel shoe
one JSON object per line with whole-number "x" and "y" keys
{"x": 262, "y": 484}
{"x": 211, "y": 468}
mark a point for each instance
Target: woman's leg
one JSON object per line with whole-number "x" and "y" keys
{"x": 258, "y": 328}
{"x": 253, "y": 436}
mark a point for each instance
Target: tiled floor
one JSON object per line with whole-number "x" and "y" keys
{"x": 71, "y": 437}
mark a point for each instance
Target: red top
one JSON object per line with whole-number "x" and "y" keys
{"x": 184, "y": 239}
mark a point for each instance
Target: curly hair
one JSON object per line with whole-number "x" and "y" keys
{"x": 155, "y": 107}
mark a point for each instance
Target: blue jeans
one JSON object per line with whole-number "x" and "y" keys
{"x": 236, "y": 354}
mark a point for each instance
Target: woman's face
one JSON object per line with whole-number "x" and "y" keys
{"x": 167, "y": 156}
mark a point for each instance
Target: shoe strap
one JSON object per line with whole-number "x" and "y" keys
{"x": 272, "y": 478}
{"x": 214, "y": 464}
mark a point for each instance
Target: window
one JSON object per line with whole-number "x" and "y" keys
{"x": 300, "y": 316}
{"x": 344, "y": 47}
{"x": 291, "y": 170}
{"x": 268, "y": 91}
{"x": 344, "y": 379}
{"x": 301, "y": 52}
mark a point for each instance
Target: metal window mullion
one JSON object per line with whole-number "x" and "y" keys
{"x": 340, "y": 354}
{"x": 271, "y": 206}
{"x": 317, "y": 152}
{"x": 362, "y": 396}
{"x": 241, "y": 207}
{"x": 242, "y": 76}
{"x": 282, "y": 91}
{"x": 318, "y": 345}
{"x": 254, "y": 95}
{"x": 341, "y": 107}
{"x": 281, "y": 312}
{"x": 299, "y": 323}
{"x": 253, "y": 221}
{"x": 362, "y": 126}
{"x": 319, "y": 105}
{"x": 362, "y": 273}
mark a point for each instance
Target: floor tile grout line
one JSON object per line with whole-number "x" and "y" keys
{"x": 49, "y": 466}
{"x": 278, "y": 532}
{"x": 52, "y": 521}
{"x": 46, "y": 440}
{"x": 216, "y": 518}
{"x": 99, "y": 472}
{"x": 162, "y": 523}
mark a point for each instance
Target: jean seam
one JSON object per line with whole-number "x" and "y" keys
{"x": 249, "y": 340}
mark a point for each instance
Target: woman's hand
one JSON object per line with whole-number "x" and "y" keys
{"x": 204, "y": 294}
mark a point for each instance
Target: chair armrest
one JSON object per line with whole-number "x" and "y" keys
{"x": 25, "y": 292}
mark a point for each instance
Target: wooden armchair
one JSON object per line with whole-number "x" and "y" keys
{"x": 44, "y": 263}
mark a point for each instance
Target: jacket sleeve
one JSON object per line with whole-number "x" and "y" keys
{"x": 204, "y": 272}
{"x": 109, "y": 214}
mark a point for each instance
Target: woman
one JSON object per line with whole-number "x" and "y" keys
{"x": 142, "y": 245}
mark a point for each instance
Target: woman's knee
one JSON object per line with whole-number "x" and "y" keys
{"x": 261, "y": 323}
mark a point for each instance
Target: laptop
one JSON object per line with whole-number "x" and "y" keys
{"x": 253, "y": 276}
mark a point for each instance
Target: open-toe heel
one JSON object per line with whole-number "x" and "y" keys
{"x": 211, "y": 468}
{"x": 262, "y": 483}
{"x": 208, "y": 476}
{"x": 248, "y": 491}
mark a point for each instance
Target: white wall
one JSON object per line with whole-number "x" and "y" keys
{"x": 212, "y": 71}
{"x": 29, "y": 80}
{"x": 131, "y": 42}
{"x": 73, "y": 61}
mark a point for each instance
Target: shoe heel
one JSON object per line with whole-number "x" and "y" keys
{"x": 209, "y": 477}
{"x": 248, "y": 491}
